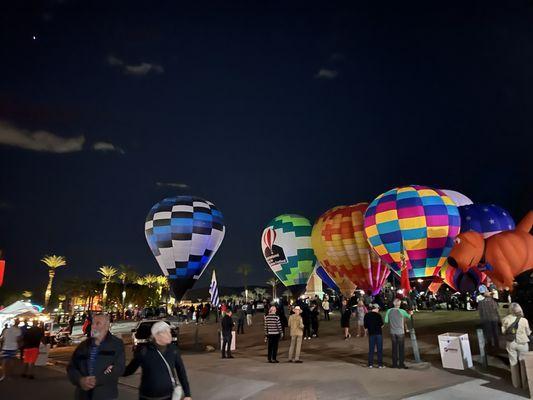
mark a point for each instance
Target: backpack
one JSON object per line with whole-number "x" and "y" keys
{"x": 510, "y": 332}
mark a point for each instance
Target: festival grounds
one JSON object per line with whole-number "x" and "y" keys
{"x": 332, "y": 368}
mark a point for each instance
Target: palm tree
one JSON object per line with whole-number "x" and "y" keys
{"x": 150, "y": 281}
{"x": 260, "y": 292}
{"x": 244, "y": 270}
{"x": 273, "y": 282}
{"x": 61, "y": 299}
{"x": 52, "y": 262}
{"x": 107, "y": 273}
{"x": 127, "y": 274}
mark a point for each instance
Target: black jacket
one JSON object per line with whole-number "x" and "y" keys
{"x": 155, "y": 379}
{"x": 227, "y": 324}
{"x": 373, "y": 322}
{"x": 110, "y": 352}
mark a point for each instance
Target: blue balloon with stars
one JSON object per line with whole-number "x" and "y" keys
{"x": 184, "y": 233}
{"x": 487, "y": 219}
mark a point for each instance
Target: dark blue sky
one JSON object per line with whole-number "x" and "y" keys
{"x": 261, "y": 107}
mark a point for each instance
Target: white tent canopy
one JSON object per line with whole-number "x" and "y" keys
{"x": 15, "y": 309}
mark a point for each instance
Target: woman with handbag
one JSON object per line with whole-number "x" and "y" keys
{"x": 160, "y": 361}
{"x": 516, "y": 331}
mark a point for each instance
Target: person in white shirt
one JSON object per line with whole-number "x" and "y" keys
{"x": 10, "y": 347}
{"x": 325, "y": 307}
{"x": 516, "y": 327}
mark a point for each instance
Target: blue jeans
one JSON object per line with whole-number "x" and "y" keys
{"x": 373, "y": 342}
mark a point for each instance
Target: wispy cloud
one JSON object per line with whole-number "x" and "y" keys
{"x": 337, "y": 57}
{"x": 141, "y": 69}
{"x": 39, "y": 140}
{"x": 106, "y": 146}
{"x": 324, "y": 73}
{"x": 173, "y": 185}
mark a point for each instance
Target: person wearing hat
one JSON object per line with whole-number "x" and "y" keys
{"x": 489, "y": 317}
{"x": 163, "y": 372}
{"x": 296, "y": 330}
{"x": 373, "y": 324}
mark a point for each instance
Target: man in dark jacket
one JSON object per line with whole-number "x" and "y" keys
{"x": 97, "y": 363}
{"x": 227, "y": 325}
{"x": 373, "y": 324}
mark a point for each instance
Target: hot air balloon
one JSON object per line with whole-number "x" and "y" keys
{"x": 464, "y": 282}
{"x": 286, "y": 244}
{"x": 458, "y": 198}
{"x": 412, "y": 227}
{"x": 342, "y": 249}
{"x": 487, "y": 219}
{"x": 184, "y": 233}
{"x": 326, "y": 279}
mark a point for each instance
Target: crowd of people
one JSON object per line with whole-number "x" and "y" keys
{"x": 23, "y": 340}
{"x": 98, "y": 362}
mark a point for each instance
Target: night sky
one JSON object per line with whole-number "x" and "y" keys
{"x": 261, "y": 107}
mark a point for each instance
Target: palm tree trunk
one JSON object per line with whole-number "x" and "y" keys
{"x": 104, "y": 296}
{"x": 48, "y": 293}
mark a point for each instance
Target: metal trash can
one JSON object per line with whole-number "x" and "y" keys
{"x": 455, "y": 350}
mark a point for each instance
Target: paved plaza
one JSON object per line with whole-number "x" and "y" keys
{"x": 333, "y": 368}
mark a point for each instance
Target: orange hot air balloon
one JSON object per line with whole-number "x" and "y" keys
{"x": 340, "y": 245}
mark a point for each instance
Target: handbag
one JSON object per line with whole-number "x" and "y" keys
{"x": 510, "y": 332}
{"x": 177, "y": 393}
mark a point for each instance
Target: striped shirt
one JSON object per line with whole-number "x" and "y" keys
{"x": 93, "y": 352}
{"x": 272, "y": 325}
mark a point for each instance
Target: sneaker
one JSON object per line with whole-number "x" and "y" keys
{"x": 370, "y": 366}
{"x": 231, "y": 357}
{"x": 223, "y": 356}
{"x": 298, "y": 361}
{"x": 403, "y": 367}
{"x": 381, "y": 366}
{"x": 275, "y": 361}
{"x": 290, "y": 360}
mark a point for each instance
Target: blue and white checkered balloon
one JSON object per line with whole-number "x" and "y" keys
{"x": 184, "y": 233}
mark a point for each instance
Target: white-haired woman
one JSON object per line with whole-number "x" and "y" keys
{"x": 516, "y": 330}
{"x": 162, "y": 367}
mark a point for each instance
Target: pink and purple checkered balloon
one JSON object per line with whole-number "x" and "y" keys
{"x": 417, "y": 222}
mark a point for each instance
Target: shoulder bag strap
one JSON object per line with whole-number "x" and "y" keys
{"x": 172, "y": 379}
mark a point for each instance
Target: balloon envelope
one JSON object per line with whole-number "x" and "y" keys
{"x": 286, "y": 245}
{"x": 342, "y": 249}
{"x": 464, "y": 282}
{"x": 458, "y": 198}
{"x": 326, "y": 279}
{"x": 414, "y": 222}
{"x": 184, "y": 232}
{"x": 487, "y": 219}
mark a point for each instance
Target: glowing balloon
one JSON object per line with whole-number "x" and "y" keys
{"x": 342, "y": 249}
{"x": 286, "y": 245}
{"x": 416, "y": 222}
{"x": 464, "y": 282}
{"x": 184, "y": 233}
{"x": 458, "y": 198}
{"x": 487, "y": 219}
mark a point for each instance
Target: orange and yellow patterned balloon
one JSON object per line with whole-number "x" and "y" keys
{"x": 340, "y": 245}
